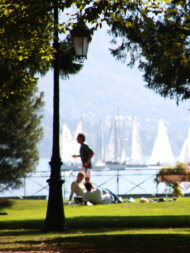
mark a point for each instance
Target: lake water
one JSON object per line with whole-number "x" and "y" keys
{"x": 128, "y": 181}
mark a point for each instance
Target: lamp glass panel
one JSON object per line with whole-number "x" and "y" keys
{"x": 81, "y": 46}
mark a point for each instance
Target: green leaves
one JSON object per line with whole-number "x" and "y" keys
{"x": 156, "y": 33}
{"x": 20, "y": 131}
{"x": 161, "y": 44}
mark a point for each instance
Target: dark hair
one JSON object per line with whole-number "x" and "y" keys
{"x": 82, "y": 136}
{"x": 88, "y": 186}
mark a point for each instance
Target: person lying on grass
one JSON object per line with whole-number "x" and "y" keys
{"x": 99, "y": 196}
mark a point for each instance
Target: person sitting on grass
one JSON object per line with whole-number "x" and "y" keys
{"x": 99, "y": 196}
{"x": 78, "y": 188}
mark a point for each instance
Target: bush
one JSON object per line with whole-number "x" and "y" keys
{"x": 177, "y": 192}
{"x": 180, "y": 168}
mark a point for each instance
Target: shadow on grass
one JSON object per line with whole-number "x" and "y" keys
{"x": 130, "y": 221}
{"x": 106, "y": 222}
{"x": 5, "y": 203}
{"x": 113, "y": 243}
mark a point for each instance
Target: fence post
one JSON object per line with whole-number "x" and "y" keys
{"x": 117, "y": 190}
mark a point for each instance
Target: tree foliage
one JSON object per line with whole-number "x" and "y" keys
{"x": 158, "y": 36}
{"x": 25, "y": 35}
{"x": 67, "y": 59}
{"x": 25, "y": 32}
{"x": 154, "y": 32}
{"x": 26, "y": 49}
{"x": 20, "y": 133}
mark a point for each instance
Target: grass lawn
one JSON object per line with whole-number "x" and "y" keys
{"x": 127, "y": 227}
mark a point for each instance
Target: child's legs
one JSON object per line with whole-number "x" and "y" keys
{"x": 87, "y": 172}
{"x": 83, "y": 169}
{"x": 87, "y": 175}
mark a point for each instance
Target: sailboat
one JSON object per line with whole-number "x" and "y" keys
{"x": 113, "y": 154}
{"x": 76, "y": 145}
{"x": 66, "y": 148}
{"x": 162, "y": 153}
{"x": 66, "y": 144}
{"x": 184, "y": 156}
{"x": 69, "y": 147}
{"x": 100, "y": 152}
{"x": 124, "y": 158}
{"x": 137, "y": 156}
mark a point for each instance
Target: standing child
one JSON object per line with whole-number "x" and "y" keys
{"x": 85, "y": 154}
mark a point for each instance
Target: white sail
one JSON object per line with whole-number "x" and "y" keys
{"x": 162, "y": 153}
{"x": 79, "y": 128}
{"x": 184, "y": 156}
{"x": 124, "y": 158}
{"x": 100, "y": 152}
{"x": 66, "y": 144}
{"x": 113, "y": 153}
{"x": 136, "y": 147}
{"x": 76, "y": 145}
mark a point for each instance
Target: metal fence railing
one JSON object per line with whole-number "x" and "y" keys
{"x": 121, "y": 182}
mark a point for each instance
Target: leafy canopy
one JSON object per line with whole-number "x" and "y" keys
{"x": 158, "y": 37}
{"x": 154, "y": 33}
{"x": 20, "y": 133}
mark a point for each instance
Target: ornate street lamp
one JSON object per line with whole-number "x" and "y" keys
{"x": 55, "y": 218}
{"x": 81, "y": 38}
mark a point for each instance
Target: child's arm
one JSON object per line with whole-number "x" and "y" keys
{"x": 89, "y": 158}
{"x": 75, "y": 156}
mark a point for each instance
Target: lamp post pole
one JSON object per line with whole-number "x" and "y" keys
{"x": 55, "y": 218}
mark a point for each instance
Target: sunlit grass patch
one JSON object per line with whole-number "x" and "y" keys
{"x": 135, "y": 227}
